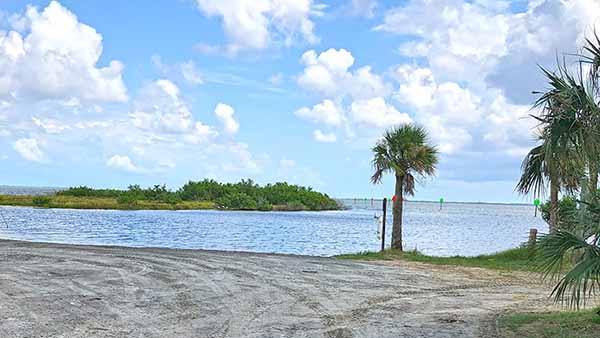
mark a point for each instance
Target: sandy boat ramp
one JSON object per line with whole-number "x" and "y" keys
{"x": 67, "y": 291}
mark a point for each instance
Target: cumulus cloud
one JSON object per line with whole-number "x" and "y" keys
{"x": 479, "y": 65}
{"x": 485, "y": 44}
{"x": 376, "y": 112}
{"x": 57, "y": 59}
{"x": 456, "y": 116}
{"x": 353, "y": 98}
{"x": 225, "y": 114}
{"x": 29, "y": 149}
{"x": 59, "y": 104}
{"x": 257, "y": 24}
{"x": 326, "y": 112}
{"x": 328, "y": 74}
{"x": 122, "y": 163}
{"x": 535, "y": 37}
{"x": 161, "y": 111}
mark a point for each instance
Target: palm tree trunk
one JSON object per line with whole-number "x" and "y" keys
{"x": 397, "y": 213}
{"x": 553, "y": 204}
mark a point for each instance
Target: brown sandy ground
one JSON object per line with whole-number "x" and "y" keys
{"x": 67, "y": 291}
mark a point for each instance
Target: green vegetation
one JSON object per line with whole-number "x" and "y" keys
{"x": 514, "y": 259}
{"x": 207, "y": 194}
{"x": 403, "y": 151}
{"x": 567, "y": 159}
{"x": 582, "y": 324}
{"x": 566, "y": 214}
{"x": 71, "y": 202}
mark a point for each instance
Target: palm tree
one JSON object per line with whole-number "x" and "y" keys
{"x": 544, "y": 166}
{"x": 580, "y": 250}
{"x": 405, "y": 152}
{"x": 570, "y": 125}
{"x": 592, "y": 59}
{"x": 569, "y": 140}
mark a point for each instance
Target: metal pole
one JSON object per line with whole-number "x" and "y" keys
{"x": 383, "y": 227}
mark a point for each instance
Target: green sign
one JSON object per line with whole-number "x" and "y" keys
{"x": 537, "y": 202}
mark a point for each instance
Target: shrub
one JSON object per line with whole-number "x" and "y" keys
{"x": 264, "y": 205}
{"x": 170, "y": 198}
{"x": 41, "y": 201}
{"x": 295, "y": 206}
{"x": 567, "y": 212}
{"x": 243, "y": 195}
{"x": 128, "y": 198}
{"x": 237, "y": 201}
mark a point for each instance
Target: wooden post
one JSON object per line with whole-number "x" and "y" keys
{"x": 532, "y": 237}
{"x": 383, "y": 227}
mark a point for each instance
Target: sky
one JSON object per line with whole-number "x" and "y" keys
{"x": 111, "y": 93}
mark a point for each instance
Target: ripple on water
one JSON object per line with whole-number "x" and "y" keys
{"x": 459, "y": 229}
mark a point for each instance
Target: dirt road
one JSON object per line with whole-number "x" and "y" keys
{"x": 65, "y": 291}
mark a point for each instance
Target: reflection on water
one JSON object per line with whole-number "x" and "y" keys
{"x": 458, "y": 229}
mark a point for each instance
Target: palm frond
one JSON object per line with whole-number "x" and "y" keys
{"x": 583, "y": 279}
{"x": 404, "y": 150}
{"x": 409, "y": 185}
{"x": 534, "y": 172}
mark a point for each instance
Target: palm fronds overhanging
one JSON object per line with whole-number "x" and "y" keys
{"x": 578, "y": 252}
{"x": 567, "y": 152}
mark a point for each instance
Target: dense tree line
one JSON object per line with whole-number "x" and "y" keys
{"x": 244, "y": 195}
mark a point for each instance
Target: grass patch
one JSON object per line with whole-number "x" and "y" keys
{"x": 581, "y": 324}
{"x": 72, "y": 202}
{"x": 513, "y": 259}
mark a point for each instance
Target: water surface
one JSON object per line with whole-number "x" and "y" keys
{"x": 458, "y": 229}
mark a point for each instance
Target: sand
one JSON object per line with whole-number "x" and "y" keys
{"x": 68, "y": 291}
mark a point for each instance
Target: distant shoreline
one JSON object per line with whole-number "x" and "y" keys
{"x": 11, "y": 190}
{"x": 437, "y": 202}
{"x": 100, "y": 203}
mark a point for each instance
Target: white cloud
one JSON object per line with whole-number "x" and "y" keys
{"x": 185, "y": 71}
{"x": 364, "y": 8}
{"x": 353, "y": 98}
{"x": 50, "y": 126}
{"x": 57, "y": 59}
{"x": 376, "y": 112}
{"x": 225, "y": 114}
{"x": 122, "y": 163}
{"x": 257, "y": 24}
{"x": 414, "y": 49}
{"x": 190, "y": 73}
{"x": 328, "y": 74}
{"x": 160, "y": 109}
{"x": 534, "y": 38}
{"x": 326, "y": 112}
{"x": 79, "y": 112}
{"x": 481, "y": 58}
{"x": 321, "y": 136}
{"x": 29, "y": 149}
{"x": 467, "y": 30}
{"x": 456, "y": 116}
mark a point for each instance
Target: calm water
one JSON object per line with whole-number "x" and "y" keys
{"x": 459, "y": 229}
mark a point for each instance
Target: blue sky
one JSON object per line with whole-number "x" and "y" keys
{"x": 109, "y": 93}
